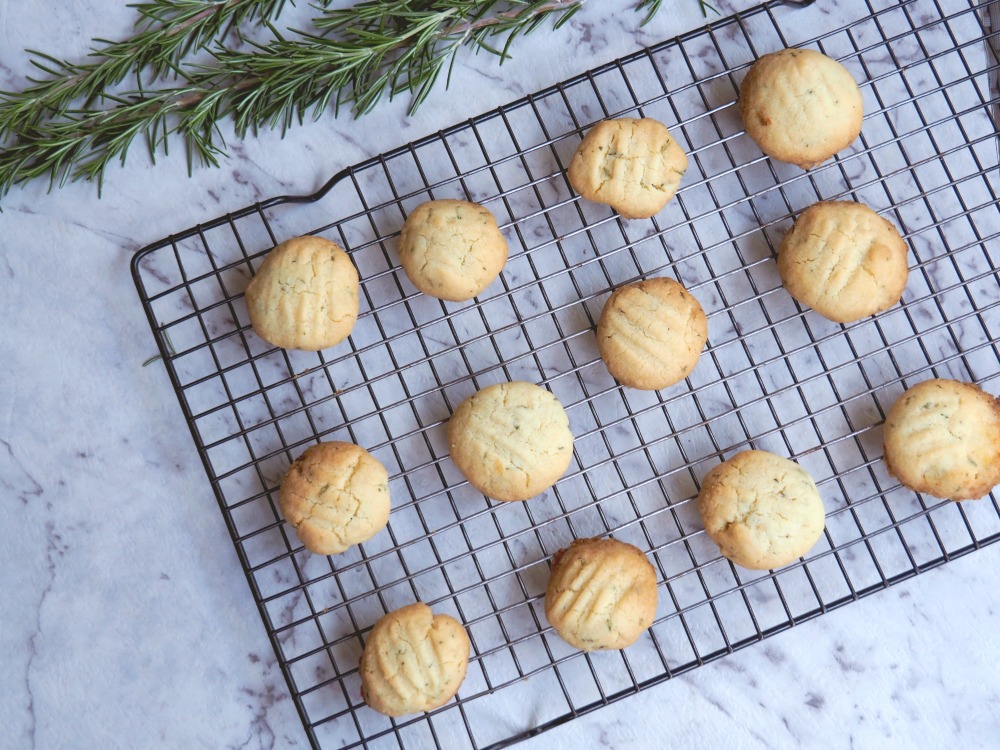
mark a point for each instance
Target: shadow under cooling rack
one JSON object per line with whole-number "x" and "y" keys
{"x": 773, "y": 376}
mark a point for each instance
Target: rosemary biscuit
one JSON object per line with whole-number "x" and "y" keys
{"x": 800, "y": 106}
{"x": 335, "y": 495}
{"x": 942, "y": 437}
{"x": 651, "y": 333}
{"x": 763, "y": 510}
{"x": 844, "y": 261}
{"x": 601, "y": 594}
{"x": 634, "y": 166}
{"x": 413, "y": 661}
{"x": 304, "y": 295}
{"x": 452, "y": 249}
{"x": 511, "y": 440}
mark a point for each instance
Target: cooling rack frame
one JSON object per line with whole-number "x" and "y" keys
{"x": 774, "y": 375}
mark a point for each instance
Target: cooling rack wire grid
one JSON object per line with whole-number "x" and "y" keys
{"x": 773, "y": 376}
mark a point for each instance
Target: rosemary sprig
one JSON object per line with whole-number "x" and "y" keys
{"x": 392, "y": 50}
{"x": 359, "y": 55}
{"x": 167, "y": 31}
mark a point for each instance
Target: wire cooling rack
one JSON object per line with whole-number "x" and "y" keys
{"x": 774, "y": 376}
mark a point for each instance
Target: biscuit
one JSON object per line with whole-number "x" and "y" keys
{"x": 601, "y": 594}
{"x": 413, "y": 661}
{"x": 634, "y": 166}
{"x": 511, "y": 440}
{"x": 304, "y": 295}
{"x": 452, "y": 249}
{"x": 844, "y": 261}
{"x": 651, "y": 333}
{"x": 942, "y": 437}
{"x": 335, "y": 495}
{"x": 763, "y": 510}
{"x": 800, "y": 106}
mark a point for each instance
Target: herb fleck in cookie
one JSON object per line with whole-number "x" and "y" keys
{"x": 452, "y": 249}
{"x": 335, "y": 495}
{"x": 651, "y": 333}
{"x": 511, "y": 440}
{"x": 800, "y": 106}
{"x": 634, "y": 166}
{"x": 844, "y": 261}
{"x": 601, "y": 594}
{"x": 763, "y": 510}
{"x": 413, "y": 661}
{"x": 304, "y": 295}
{"x": 942, "y": 437}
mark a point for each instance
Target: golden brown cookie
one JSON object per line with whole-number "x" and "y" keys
{"x": 651, "y": 333}
{"x": 601, "y": 594}
{"x": 634, "y": 166}
{"x": 763, "y": 510}
{"x": 844, "y": 261}
{"x": 511, "y": 440}
{"x": 942, "y": 437}
{"x": 304, "y": 295}
{"x": 413, "y": 661}
{"x": 335, "y": 495}
{"x": 452, "y": 249}
{"x": 800, "y": 106}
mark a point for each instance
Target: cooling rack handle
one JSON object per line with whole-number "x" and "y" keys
{"x": 311, "y": 197}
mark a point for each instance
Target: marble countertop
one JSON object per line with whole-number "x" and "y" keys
{"x": 125, "y": 618}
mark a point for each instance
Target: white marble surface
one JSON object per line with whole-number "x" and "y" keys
{"x": 125, "y": 620}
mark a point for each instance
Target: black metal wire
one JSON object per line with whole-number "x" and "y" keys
{"x": 773, "y": 376}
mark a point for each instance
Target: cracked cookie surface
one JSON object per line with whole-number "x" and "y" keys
{"x": 304, "y": 295}
{"x": 601, "y": 594}
{"x": 942, "y": 437}
{"x": 844, "y": 261}
{"x": 651, "y": 333}
{"x": 452, "y": 249}
{"x": 511, "y": 440}
{"x": 633, "y": 165}
{"x": 335, "y": 495}
{"x": 800, "y": 106}
{"x": 763, "y": 510}
{"x": 413, "y": 661}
